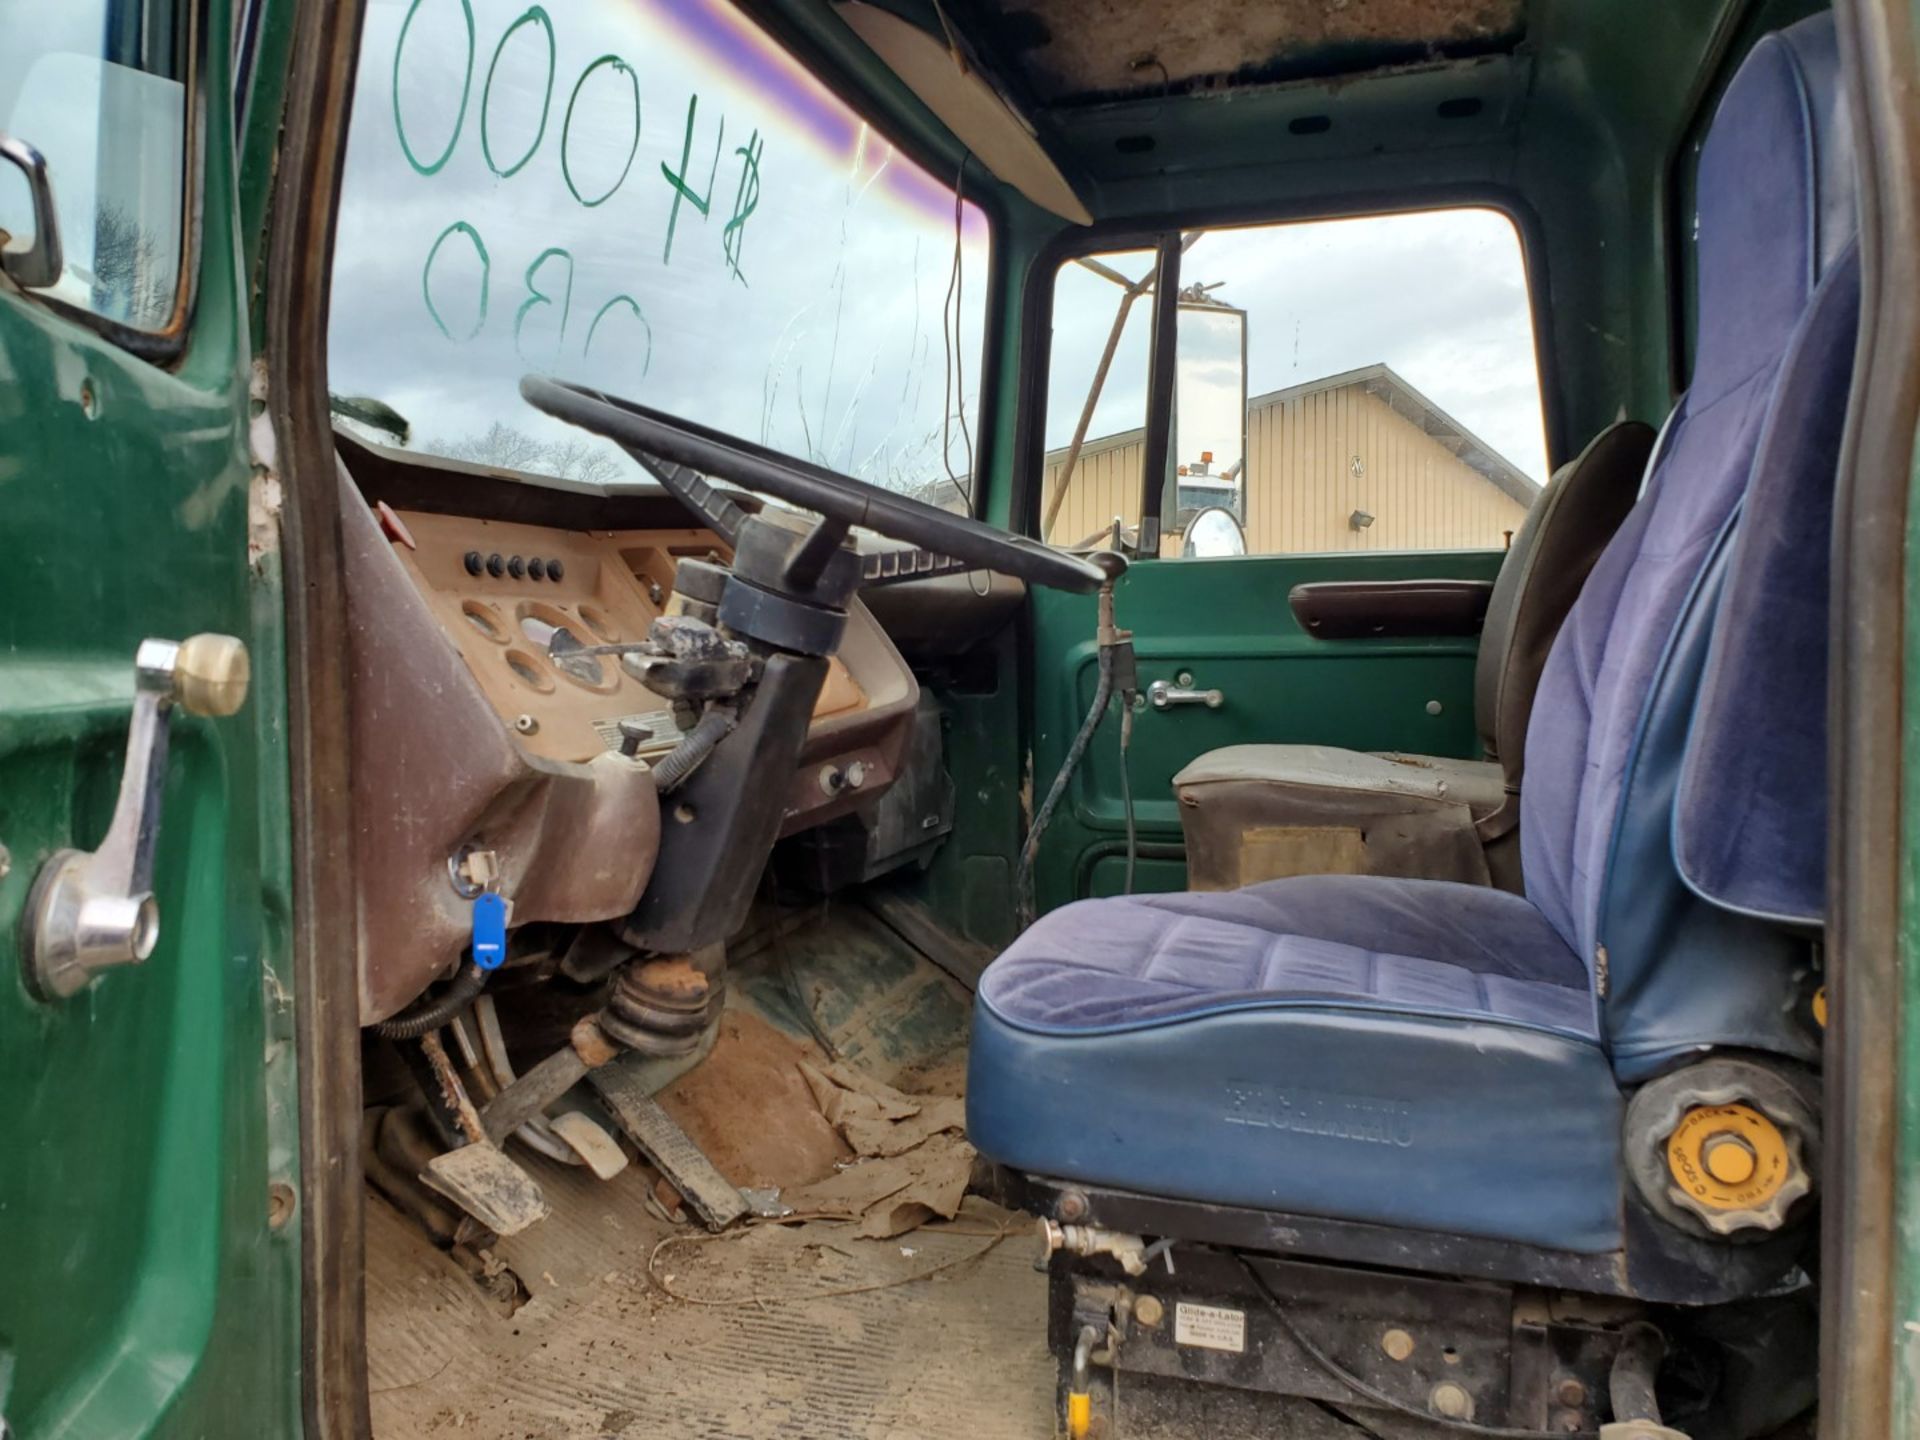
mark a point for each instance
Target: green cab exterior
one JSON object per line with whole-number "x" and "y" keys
{"x": 148, "y": 1166}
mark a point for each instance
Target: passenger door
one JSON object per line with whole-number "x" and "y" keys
{"x": 1344, "y": 401}
{"x": 148, "y": 1237}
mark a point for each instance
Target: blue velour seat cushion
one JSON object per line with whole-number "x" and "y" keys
{"x": 1366, "y": 1048}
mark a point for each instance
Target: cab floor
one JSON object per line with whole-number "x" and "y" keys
{"x": 785, "y": 1330}
{"x": 598, "y": 1350}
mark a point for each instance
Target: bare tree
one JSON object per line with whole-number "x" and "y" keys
{"x": 132, "y": 279}
{"x": 575, "y": 459}
{"x": 502, "y": 447}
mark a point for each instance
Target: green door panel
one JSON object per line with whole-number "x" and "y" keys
{"x": 1227, "y": 624}
{"x": 146, "y": 1124}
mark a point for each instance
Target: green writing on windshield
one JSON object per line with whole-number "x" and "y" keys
{"x": 532, "y": 16}
{"x": 466, "y": 85}
{"x": 679, "y": 181}
{"x": 744, "y": 201}
{"x": 537, "y": 296}
{"x": 620, "y": 67}
{"x": 616, "y": 110}
{"x": 486, "y": 268}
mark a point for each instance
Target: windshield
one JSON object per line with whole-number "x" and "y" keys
{"x": 658, "y": 201}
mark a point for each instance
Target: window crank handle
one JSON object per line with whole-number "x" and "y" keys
{"x": 94, "y": 910}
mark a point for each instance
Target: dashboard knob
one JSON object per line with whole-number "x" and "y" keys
{"x": 473, "y": 562}
{"x": 536, "y": 569}
{"x": 516, "y": 567}
{"x": 496, "y": 567}
{"x": 555, "y": 569}
{"x": 632, "y": 736}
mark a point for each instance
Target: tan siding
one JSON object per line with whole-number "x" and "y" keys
{"x": 1302, "y": 490}
{"x": 1106, "y": 483}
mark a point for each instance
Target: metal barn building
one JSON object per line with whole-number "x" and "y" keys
{"x": 1356, "y": 461}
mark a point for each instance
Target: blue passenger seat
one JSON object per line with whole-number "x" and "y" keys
{"x": 1457, "y": 1059}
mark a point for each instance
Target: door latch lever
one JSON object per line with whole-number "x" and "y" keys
{"x": 1163, "y": 696}
{"x": 93, "y": 910}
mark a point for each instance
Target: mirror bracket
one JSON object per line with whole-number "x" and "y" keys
{"x": 37, "y": 264}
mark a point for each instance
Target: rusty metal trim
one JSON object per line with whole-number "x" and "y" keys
{"x": 319, "y": 97}
{"x": 1860, "y": 1240}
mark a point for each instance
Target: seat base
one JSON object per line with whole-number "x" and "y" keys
{"x": 1232, "y": 1344}
{"x": 1659, "y": 1264}
{"x": 1219, "y": 1361}
{"x": 1252, "y": 813}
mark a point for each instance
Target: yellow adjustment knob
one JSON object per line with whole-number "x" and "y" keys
{"x": 211, "y": 674}
{"x": 1731, "y": 1166}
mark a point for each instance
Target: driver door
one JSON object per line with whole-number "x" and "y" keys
{"x": 148, "y": 1236}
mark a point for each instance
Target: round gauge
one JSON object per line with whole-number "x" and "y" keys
{"x": 528, "y": 671}
{"x": 486, "y": 620}
{"x": 599, "y": 624}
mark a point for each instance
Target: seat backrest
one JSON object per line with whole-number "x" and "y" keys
{"x": 1571, "y": 521}
{"x": 1777, "y": 274}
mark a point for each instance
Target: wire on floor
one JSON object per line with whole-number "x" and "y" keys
{"x": 665, "y": 1285}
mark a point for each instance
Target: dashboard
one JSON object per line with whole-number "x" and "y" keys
{"x": 501, "y": 591}
{"x": 473, "y": 732}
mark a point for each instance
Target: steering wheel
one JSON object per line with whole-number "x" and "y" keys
{"x": 652, "y": 437}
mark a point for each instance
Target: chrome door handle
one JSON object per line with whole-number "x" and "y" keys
{"x": 1164, "y": 696}
{"x": 91, "y": 911}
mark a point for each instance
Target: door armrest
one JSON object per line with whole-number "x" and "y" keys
{"x": 1390, "y": 609}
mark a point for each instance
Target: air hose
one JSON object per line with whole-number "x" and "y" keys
{"x": 680, "y": 762}
{"x": 1023, "y": 878}
{"x": 1118, "y": 671}
{"x": 435, "y": 1013}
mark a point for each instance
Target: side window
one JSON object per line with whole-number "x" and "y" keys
{"x": 1097, "y": 397}
{"x": 98, "y": 88}
{"x": 1363, "y": 384}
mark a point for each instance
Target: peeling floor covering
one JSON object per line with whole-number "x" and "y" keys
{"x": 598, "y": 1351}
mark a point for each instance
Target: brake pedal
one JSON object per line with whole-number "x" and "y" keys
{"x": 482, "y": 1181}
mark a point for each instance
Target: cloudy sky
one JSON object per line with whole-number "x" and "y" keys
{"x": 805, "y": 308}
{"x": 1441, "y": 297}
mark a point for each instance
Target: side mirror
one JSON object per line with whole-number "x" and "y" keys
{"x": 1207, "y": 456}
{"x": 1213, "y": 533}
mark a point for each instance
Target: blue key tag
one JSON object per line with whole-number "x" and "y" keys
{"x": 489, "y": 929}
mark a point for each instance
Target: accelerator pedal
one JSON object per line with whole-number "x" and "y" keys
{"x": 667, "y": 1147}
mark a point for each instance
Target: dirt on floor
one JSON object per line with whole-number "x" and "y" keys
{"x": 775, "y": 1331}
{"x": 635, "y": 1326}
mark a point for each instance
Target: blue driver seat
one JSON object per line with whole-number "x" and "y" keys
{"x": 1455, "y": 1059}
